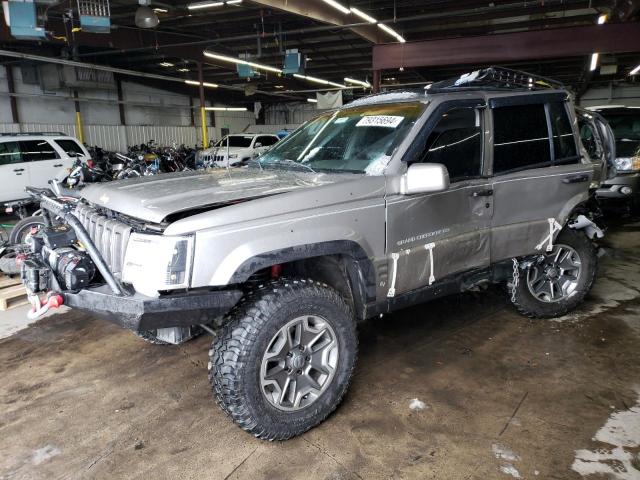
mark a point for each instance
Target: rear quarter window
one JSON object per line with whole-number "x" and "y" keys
{"x": 70, "y": 147}
{"x": 10, "y": 153}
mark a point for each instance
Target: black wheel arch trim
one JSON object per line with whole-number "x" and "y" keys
{"x": 359, "y": 267}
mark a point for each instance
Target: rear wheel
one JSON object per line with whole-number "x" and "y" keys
{"x": 24, "y": 228}
{"x": 560, "y": 280}
{"x": 285, "y": 358}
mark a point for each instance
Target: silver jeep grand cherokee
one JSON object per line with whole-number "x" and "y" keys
{"x": 389, "y": 201}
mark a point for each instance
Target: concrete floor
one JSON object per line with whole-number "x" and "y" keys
{"x": 504, "y": 397}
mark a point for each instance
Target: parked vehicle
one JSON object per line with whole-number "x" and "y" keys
{"x": 624, "y": 188}
{"x": 32, "y": 159}
{"x": 387, "y": 202}
{"x": 236, "y": 150}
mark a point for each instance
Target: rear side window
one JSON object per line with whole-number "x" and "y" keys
{"x": 456, "y": 143}
{"x": 35, "y": 150}
{"x": 521, "y": 138}
{"x": 267, "y": 141}
{"x": 70, "y": 147}
{"x": 10, "y": 153}
{"x": 564, "y": 144}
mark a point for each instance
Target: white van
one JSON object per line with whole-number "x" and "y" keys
{"x": 32, "y": 159}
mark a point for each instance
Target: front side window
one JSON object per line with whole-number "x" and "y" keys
{"x": 355, "y": 140}
{"x": 267, "y": 140}
{"x": 236, "y": 141}
{"x": 10, "y": 153}
{"x": 521, "y": 138}
{"x": 35, "y": 150}
{"x": 456, "y": 143}
{"x": 70, "y": 147}
{"x": 564, "y": 144}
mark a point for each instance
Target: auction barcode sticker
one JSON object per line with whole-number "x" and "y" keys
{"x": 389, "y": 121}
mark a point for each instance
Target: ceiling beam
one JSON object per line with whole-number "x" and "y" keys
{"x": 505, "y": 47}
{"x": 322, "y": 12}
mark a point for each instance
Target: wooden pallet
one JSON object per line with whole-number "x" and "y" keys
{"x": 12, "y": 293}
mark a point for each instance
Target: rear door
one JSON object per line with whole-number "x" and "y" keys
{"x": 433, "y": 236}
{"x": 14, "y": 174}
{"x": 43, "y": 161}
{"x": 538, "y": 173}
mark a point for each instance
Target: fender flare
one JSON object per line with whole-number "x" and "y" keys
{"x": 359, "y": 267}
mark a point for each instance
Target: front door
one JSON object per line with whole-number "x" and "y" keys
{"x": 431, "y": 237}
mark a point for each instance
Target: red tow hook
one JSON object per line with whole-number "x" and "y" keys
{"x": 39, "y": 308}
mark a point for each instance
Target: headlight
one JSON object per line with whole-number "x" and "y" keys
{"x": 626, "y": 164}
{"x": 155, "y": 262}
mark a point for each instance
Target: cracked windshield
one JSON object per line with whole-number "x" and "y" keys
{"x": 354, "y": 140}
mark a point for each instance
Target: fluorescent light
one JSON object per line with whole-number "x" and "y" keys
{"x": 357, "y": 82}
{"x": 204, "y": 84}
{"x": 392, "y": 32}
{"x": 362, "y": 15}
{"x": 279, "y": 86}
{"x": 602, "y": 18}
{"x": 234, "y": 2}
{"x": 337, "y": 6}
{"x": 200, "y": 5}
{"x": 184, "y": 70}
{"x": 319, "y": 80}
{"x": 226, "y": 109}
{"x": 602, "y": 107}
{"x": 239, "y": 61}
{"x": 160, "y": 10}
{"x": 594, "y": 62}
{"x": 635, "y": 70}
{"x": 312, "y": 100}
{"x": 166, "y": 64}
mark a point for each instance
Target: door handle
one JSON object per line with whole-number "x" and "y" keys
{"x": 483, "y": 193}
{"x": 18, "y": 169}
{"x": 576, "y": 178}
{"x": 58, "y": 165}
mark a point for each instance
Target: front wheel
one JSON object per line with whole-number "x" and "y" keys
{"x": 285, "y": 358}
{"x": 558, "y": 282}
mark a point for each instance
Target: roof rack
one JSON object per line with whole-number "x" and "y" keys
{"x": 31, "y": 134}
{"x": 495, "y": 78}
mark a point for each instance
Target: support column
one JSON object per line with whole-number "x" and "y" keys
{"x": 191, "y": 116}
{"x": 376, "y": 81}
{"x": 123, "y": 118}
{"x": 12, "y": 100}
{"x": 79, "y": 130}
{"x": 203, "y": 112}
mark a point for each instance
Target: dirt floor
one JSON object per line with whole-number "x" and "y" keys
{"x": 504, "y": 397}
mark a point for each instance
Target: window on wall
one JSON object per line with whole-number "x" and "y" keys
{"x": 564, "y": 144}
{"x": 10, "y": 153}
{"x": 35, "y": 150}
{"x": 456, "y": 143}
{"x": 521, "y": 138}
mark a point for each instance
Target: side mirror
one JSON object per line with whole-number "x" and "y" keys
{"x": 424, "y": 178}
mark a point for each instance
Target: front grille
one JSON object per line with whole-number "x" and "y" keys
{"x": 109, "y": 236}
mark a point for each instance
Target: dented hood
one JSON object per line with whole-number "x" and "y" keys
{"x": 154, "y": 198}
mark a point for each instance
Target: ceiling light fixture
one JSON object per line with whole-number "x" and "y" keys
{"x": 166, "y": 64}
{"x": 594, "y": 62}
{"x": 602, "y": 18}
{"x": 201, "y": 5}
{"x": 239, "y": 61}
{"x": 319, "y": 80}
{"x": 184, "y": 70}
{"x": 312, "y": 100}
{"x": 362, "y": 15}
{"x": 635, "y": 70}
{"x": 161, "y": 10}
{"x": 226, "y": 109}
{"x": 357, "y": 82}
{"x": 392, "y": 32}
{"x": 234, "y": 2}
{"x": 204, "y": 84}
{"x": 337, "y": 6}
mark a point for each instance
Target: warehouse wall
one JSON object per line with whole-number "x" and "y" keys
{"x": 627, "y": 94}
{"x": 158, "y": 114}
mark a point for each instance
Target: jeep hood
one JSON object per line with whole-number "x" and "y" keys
{"x": 154, "y": 198}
